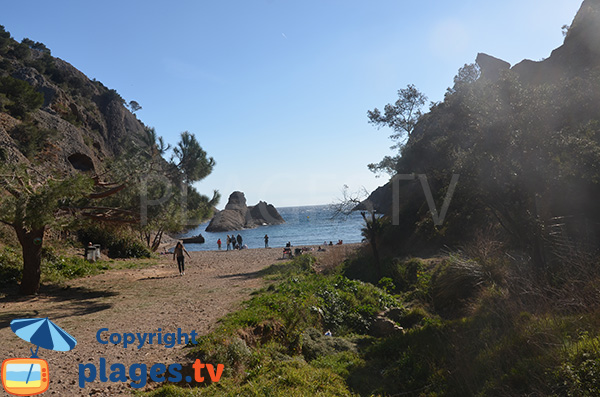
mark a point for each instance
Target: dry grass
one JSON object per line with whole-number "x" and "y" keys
{"x": 333, "y": 256}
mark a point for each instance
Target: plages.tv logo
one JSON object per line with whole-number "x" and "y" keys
{"x": 30, "y": 376}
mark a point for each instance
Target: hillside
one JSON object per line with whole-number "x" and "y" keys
{"x": 523, "y": 142}
{"x": 75, "y": 159}
{"x": 79, "y": 122}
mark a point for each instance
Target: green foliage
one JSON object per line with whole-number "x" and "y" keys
{"x": 386, "y": 284}
{"x": 5, "y": 39}
{"x": 19, "y": 51}
{"x": 30, "y": 139}
{"x": 158, "y": 191}
{"x": 109, "y": 96}
{"x": 523, "y": 153}
{"x": 10, "y": 266}
{"x": 300, "y": 265}
{"x": 38, "y": 199}
{"x": 134, "y": 106}
{"x": 118, "y": 242}
{"x": 402, "y": 118}
{"x": 57, "y": 268}
{"x": 22, "y": 97}
{"x": 276, "y": 343}
{"x": 36, "y": 45}
{"x": 316, "y": 345}
{"x": 192, "y": 159}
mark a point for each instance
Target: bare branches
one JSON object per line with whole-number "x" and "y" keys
{"x": 350, "y": 202}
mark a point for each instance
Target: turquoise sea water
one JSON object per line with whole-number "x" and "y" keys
{"x": 310, "y": 225}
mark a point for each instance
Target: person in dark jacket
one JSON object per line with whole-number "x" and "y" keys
{"x": 178, "y": 252}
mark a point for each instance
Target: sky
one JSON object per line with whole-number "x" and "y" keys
{"x": 277, "y": 91}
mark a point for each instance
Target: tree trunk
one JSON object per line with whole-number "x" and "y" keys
{"x": 31, "y": 243}
{"x": 372, "y": 236}
{"x": 157, "y": 240}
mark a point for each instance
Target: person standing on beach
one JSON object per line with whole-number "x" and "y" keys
{"x": 178, "y": 252}
{"x": 219, "y": 244}
{"x": 266, "y": 241}
{"x": 239, "y": 240}
{"x": 228, "y": 242}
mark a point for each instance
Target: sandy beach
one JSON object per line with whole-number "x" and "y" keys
{"x": 140, "y": 301}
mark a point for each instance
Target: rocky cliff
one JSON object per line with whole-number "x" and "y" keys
{"x": 578, "y": 56}
{"x": 81, "y": 121}
{"x": 237, "y": 215}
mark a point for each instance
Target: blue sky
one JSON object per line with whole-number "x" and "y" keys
{"x": 277, "y": 90}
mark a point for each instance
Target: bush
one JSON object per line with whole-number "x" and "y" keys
{"x": 30, "y": 139}
{"x": 11, "y": 266}
{"x": 23, "y": 98}
{"x": 119, "y": 243}
{"x": 57, "y": 268}
{"x": 315, "y": 344}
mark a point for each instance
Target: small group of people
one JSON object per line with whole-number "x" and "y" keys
{"x": 340, "y": 242}
{"x": 233, "y": 242}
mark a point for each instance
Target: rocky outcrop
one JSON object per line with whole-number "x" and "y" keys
{"x": 380, "y": 200}
{"x": 263, "y": 214}
{"x": 579, "y": 54}
{"x": 237, "y": 215}
{"x": 490, "y": 66}
{"x": 90, "y": 122}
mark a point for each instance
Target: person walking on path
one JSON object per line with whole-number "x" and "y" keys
{"x": 178, "y": 252}
{"x": 219, "y": 244}
{"x": 228, "y": 242}
{"x": 266, "y": 241}
{"x": 239, "y": 241}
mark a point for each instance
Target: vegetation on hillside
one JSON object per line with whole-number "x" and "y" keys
{"x": 125, "y": 199}
{"x": 473, "y": 324}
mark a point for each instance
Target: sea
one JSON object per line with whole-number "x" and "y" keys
{"x": 307, "y": 225}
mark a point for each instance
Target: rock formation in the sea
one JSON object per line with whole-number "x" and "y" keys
{"x": 237, "y": 215}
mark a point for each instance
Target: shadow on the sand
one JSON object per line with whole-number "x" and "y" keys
{"x": 245, "y": 276}
{"x": 69, "y": 302}
{"x": 159, "y": 277}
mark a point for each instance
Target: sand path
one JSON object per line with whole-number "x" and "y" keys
{"x": 134, "y": 300}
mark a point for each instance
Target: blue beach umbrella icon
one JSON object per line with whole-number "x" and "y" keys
{"x": 42, "y": 332}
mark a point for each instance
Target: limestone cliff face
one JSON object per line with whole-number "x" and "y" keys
{"x": 237, "y": 215}
{"x": 90, "y": 121}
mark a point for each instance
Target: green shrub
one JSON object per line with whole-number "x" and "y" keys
{"x": 118, "y": 242}
{"x": 362, "y": 268}
{"x": 579, "y": 374}
{"x": 30, "y": 139}
{"x": 300, "y": 264}
{"x": 57, "y": 268}
{"x": 23, "y": 98}
{"x": 414, "y": 317}
{"x": 457, "y": 280}
{"x": 386, "y": 284}
{"x": 315, "y": 344}
{"x": 11, "y": 266}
